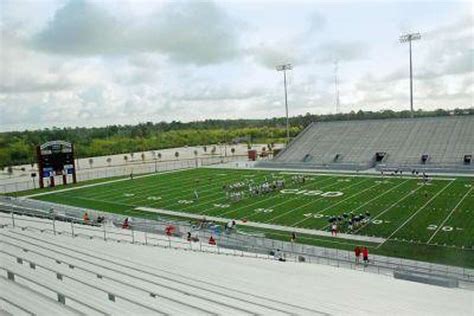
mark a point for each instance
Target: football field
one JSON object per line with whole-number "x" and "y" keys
{"x": 428, "y": 220}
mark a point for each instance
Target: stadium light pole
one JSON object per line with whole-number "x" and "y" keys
{"x": 284, "y": 68}
{"x": 409, "y": 37}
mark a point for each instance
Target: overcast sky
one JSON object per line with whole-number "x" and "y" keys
{"x": 94, "y": 63}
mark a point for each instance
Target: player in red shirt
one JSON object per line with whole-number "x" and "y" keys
{"x": 365, "y": 255}
{"x": 212, "y": 241}
{"x": 357, "y": 252}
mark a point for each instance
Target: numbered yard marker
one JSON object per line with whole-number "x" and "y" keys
{"x": 444, "y": 228}
{"x": 432, "y": 227}
{"x": 263, "y": 210}
{"x": 447, "y": 229}
{"x": 344, "y": 180}
{"x": 221, "y": 205}
{"x": 154, "y": 198}
{"x": 468, "y": 185}
{"x": 128, "y": 194}
{"x": 185, "y": 202}
{"x": 377, "y": 221}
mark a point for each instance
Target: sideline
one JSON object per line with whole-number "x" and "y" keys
{"x": 262, "y": 225}
{"x": 101, "y": 183}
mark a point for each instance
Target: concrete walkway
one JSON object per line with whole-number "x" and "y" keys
{"x": 262, "y": 225}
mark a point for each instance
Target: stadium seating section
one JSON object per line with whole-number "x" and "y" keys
{"x": 46, "y": 274}
{"x": 435, "y": 143}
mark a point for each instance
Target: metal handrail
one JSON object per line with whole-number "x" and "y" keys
{"x": 241, "y": 244}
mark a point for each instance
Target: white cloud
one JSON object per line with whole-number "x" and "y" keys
{"x": 185, "y": 31}
{"x": 97, "y": 63}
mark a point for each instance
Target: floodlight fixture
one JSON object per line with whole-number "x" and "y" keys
{"x": 409, "y": 37}
{"x": 284, "y": 68}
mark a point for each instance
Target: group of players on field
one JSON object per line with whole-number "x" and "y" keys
{"x": 238, "y": 190}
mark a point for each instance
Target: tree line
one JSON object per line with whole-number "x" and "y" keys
{"x": 19, "y": 147}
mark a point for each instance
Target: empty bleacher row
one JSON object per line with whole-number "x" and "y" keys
{"x": 94, "y": 279}
{"x": 429, "y": 143}
{"x": 46, "y": 274}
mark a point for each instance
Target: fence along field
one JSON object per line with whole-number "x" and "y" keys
{"x": 432, "y": 221}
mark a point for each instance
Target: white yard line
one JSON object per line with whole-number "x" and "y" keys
{"x": 132, "y": 188}
{"x": 264, "y": 226}
{"x": 308, "y": 203}
{"x": 267, "y": 198}
{"x": 414, "y": 214}
{"x": 332, "y": 205}
{"x": 375, "y": 198}
{"x": 391, "y": 206}
{"x": 102, "y": 183}
{"x": 449, "y": 215}
{"x": 185, "y": 185}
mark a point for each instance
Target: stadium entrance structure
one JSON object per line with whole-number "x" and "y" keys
{"x": 444, "y": 144}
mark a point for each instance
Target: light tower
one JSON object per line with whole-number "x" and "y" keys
{"x": 409, "y": 37}
{"x": 284, "y": 68}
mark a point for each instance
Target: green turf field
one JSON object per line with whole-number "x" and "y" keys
{"x": 432, "y": 222}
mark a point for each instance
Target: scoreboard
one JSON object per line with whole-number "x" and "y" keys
{"x": 56, "y": 158}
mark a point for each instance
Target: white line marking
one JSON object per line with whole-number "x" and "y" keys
{"x": 375, "y": 198}
{"x": 262, "y": 225}
{"x": 449, "y": 215}
{"x": 272, "y": 196}
{"x": 390, "y": 207}
{"x": 102, "y": 183}
{"x": 414, "y": 214}
{"x": 330, "y": 206}
{"x": 311, "y": 202}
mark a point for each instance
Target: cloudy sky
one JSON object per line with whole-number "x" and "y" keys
{"x": 93, "y": 63}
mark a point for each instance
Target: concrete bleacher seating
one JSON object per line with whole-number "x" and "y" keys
{"x": 93, "y": 276}
{"x": 444, "y": 139}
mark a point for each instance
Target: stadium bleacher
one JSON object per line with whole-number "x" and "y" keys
{"x": 434, "y": 143}
{"x": 47, "y": 274}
